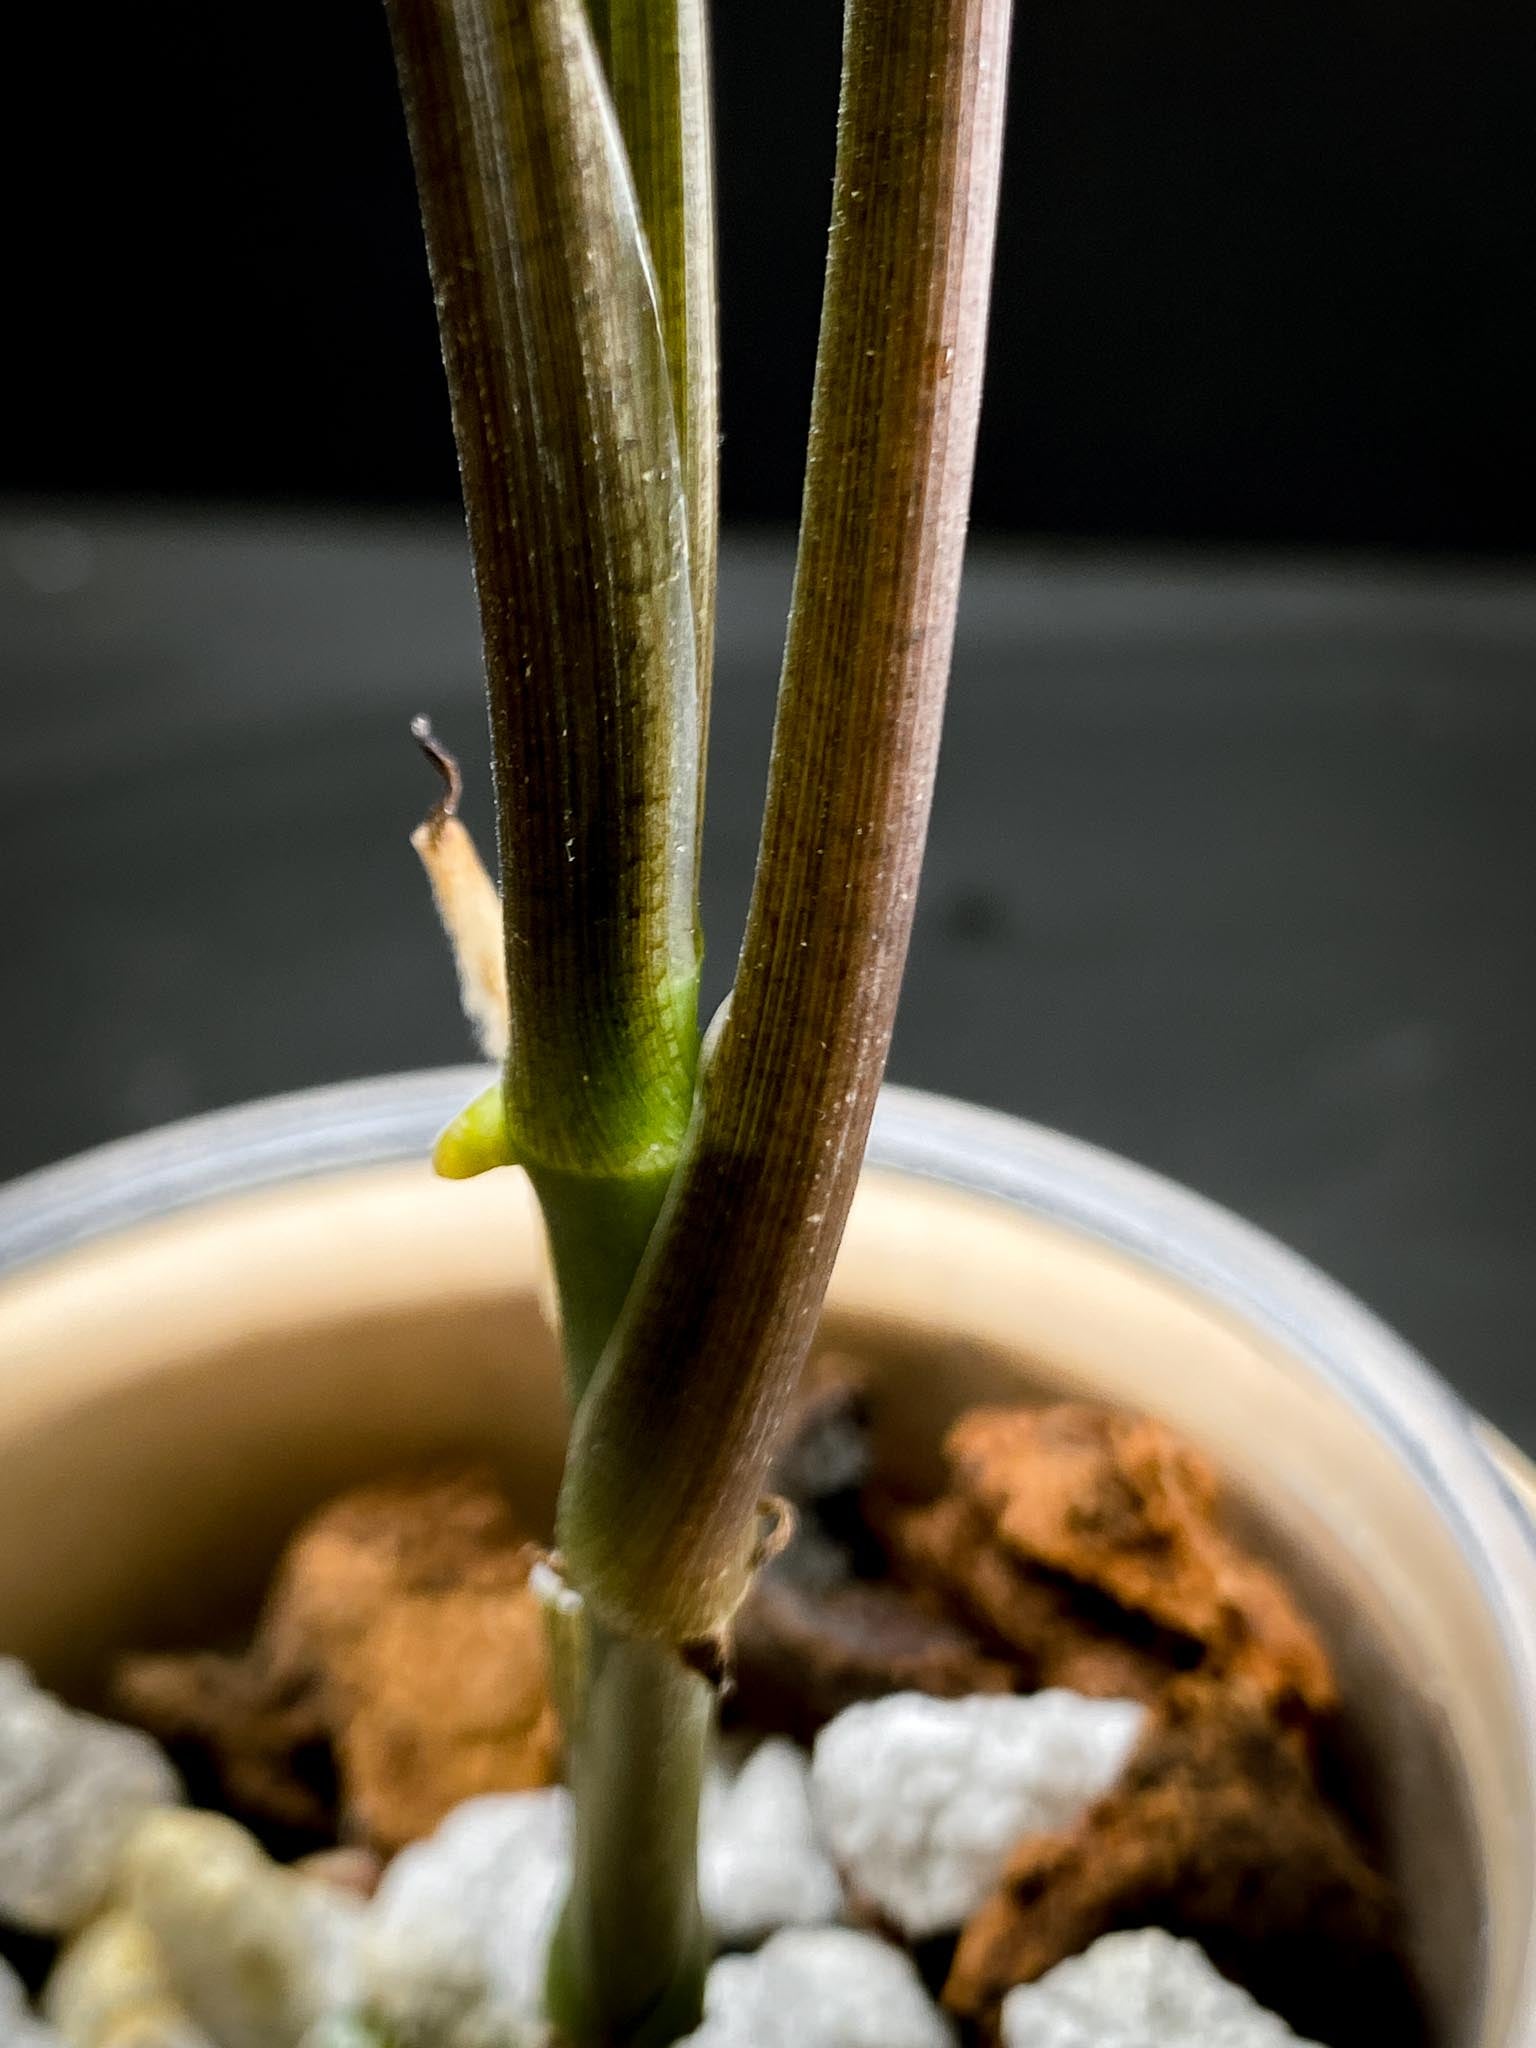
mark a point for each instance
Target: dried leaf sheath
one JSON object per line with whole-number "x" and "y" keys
{"x": 671, "y": 1444}
{"x": 563, "y": 417}
{"x": 467, "y": 903}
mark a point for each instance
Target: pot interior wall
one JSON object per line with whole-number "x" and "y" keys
{"x": 174, "y": 1399}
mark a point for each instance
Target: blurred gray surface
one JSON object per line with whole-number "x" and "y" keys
{"x": 1231, "y": 865}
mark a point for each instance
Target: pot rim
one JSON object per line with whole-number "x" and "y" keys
{"x": 1061, "y": 1180}
{"x": 1095, "y": 1193}
{"x": 1065, "y": 1180}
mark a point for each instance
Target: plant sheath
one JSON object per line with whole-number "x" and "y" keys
{"x": 672, "y": 1442}
{"x": 656, "y": 55}
{"x": 562, "y": 411}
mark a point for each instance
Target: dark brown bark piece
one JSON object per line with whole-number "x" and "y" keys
{"x": 1217, "y": 1831}
{"x": 822, "y": 1627}
{"x": 401, "y": 1631}
{"x": 803, "y": 1654}
{"x": 1056, "y": 1636}
{"x": 1090, "y": 1543}
{"x": 240, "y": 1736}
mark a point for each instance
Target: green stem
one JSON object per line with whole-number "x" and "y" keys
{"x": 627, "y": 1967}
{"x": 597, "y": 1230}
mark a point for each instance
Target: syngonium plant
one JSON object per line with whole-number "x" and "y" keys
{"x": 694, "y": 1191}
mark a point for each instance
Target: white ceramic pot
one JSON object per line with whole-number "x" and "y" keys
{"x": 205, "y": 1331}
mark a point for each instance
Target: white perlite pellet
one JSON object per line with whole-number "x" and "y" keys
{"x": 1145, "y": 1989}
{"x": 71, "y": 1789}
{"x": 920, "y": 1800}
{"x": 819, "y": 1987}
{"x": 457, "y": 1936}
{"x": 254, "y": 1953}
{"x": 760, "y": 1864}
{"x": 111, "y": 1989}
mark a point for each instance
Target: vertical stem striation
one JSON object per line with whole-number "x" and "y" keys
{"x": 578, "y": 528}
{"x": 656, "y": 54}
{"x": 672, "y": 1442}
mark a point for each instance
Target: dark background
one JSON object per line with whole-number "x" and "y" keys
{"x": 1264, "y": 271}
{"x": 1234, "y": 852}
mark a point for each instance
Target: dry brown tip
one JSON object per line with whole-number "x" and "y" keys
{"x": 447, "y": 766}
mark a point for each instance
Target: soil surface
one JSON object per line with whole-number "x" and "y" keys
{"x": 399, "y": 1668}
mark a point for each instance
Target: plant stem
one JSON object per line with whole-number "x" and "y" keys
{"x": 579, "y": 530}
{"x": 562, "y": 412}
{"x": 627, "y": 1967}
{"x": 569, "y": 436}
{"x": 598, "y": 1229}
{"x": 671, "y": 1445}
